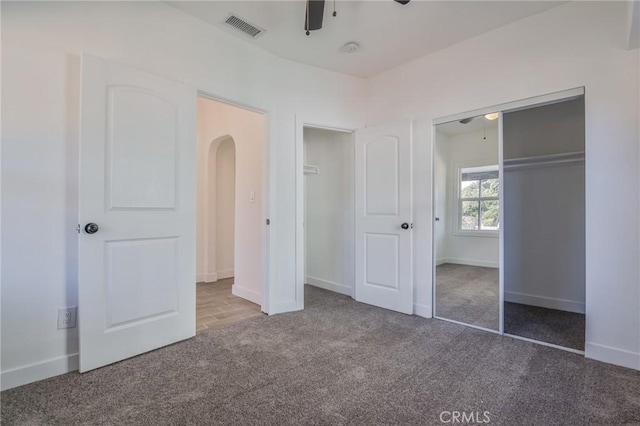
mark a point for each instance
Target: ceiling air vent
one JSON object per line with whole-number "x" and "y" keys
{"x": 243, "y": 26}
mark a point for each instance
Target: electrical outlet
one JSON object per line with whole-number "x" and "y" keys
{"x": 67, "y": 317}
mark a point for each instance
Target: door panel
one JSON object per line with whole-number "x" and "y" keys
{"x": 137, "y": 183}
{"x": 383, "y": 204}
{"x": 382, "y": 274}
{"x": 149, "y": 267}
{"x": 382, "y": 188}
{"x": 142, "y": 142}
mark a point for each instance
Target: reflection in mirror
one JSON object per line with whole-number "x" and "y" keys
{"x": 467, "y": 212}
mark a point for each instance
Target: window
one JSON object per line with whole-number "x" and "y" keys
{"x": 479, "y": 201}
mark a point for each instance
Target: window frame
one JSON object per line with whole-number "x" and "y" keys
{"x": 494, "y": 233}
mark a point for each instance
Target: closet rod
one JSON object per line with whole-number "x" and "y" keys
{"x": 564, "y": 159}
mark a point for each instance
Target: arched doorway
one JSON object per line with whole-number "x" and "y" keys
{"x": 221, "y": 209}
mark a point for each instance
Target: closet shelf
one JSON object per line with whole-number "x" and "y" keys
{"x": 310, "y": 169}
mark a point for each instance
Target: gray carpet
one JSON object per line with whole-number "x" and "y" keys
{"x": 336, "y": 362}
{"x": 546, "y": 325}
{"x": 469, "y": 294}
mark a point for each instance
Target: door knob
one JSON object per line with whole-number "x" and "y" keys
{"x": 91, "y": 228}
{"x": 404, "y": 226}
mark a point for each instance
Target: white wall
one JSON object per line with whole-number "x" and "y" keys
{"x": 544, "y": 217}
{"x": 41, "y": 47}
{"x": 576, "y": 44}
{"x": 467, "y": 150}
{"x": 248, "y": 130}
{"x": 225, "y": 196}
{"x": 329, "y": 210}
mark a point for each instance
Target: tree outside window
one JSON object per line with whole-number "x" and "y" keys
{"x": 479, "y": 199}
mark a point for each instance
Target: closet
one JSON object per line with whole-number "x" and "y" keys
{"x": 544, "y": 223}
{"x": 329, "y": 210}
{"x": 509, "y": 219}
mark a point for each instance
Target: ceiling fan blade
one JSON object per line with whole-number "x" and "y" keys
{"x": 467, "y": 120}
{"x": 313, "y": 15}
{"x": 402, "y": 1}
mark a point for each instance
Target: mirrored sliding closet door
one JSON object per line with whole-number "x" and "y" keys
{"x": 466, "y": 230}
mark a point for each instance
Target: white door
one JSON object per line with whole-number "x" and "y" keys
{"x": 137, "y": 184}
{"x": 384, "y": 217}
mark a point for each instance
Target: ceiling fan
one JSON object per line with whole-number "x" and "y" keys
{"x": 315, "y": 13}
{"x": 467, "y": 120}
{"x": 491, "y": 116}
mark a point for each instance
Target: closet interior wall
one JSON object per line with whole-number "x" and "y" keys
{"x": 329, "y": 209}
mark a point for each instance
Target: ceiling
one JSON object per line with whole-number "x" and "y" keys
{"x": 388, "y": 33}
{"x": 454, "y": 128}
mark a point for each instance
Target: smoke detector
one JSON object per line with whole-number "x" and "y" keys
{"x": 351, "y": 47}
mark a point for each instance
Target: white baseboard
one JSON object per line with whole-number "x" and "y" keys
{"x": 441, "y": 261}
{"x": 225, "y": 273}
{"x": 545, "y": 302}
{"x": 611, "y": 355}
{"x": 283, "y": 307}
{"x": 209, "y": 277}
{"x": 424, "y": 311}
{"x": 212, "y": 277}
{"x": 470, "y": 262}
{"x": 38, "y": 371}
{"x": 328, "y": 285}
{"x": 250, "y": 295}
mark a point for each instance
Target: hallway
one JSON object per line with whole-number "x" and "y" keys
{"x": 216, "y": 306}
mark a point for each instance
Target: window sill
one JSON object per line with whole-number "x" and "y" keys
{"x": 481, "y": 234}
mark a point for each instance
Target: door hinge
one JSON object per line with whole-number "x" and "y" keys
{"x": 78, "y": 228}
{"x": 268, "y": 222}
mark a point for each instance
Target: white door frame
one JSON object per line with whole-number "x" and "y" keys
{"x": 268, "y": 267}
{"x": 300, "y": 123}
{"x": 527, "y": 103}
